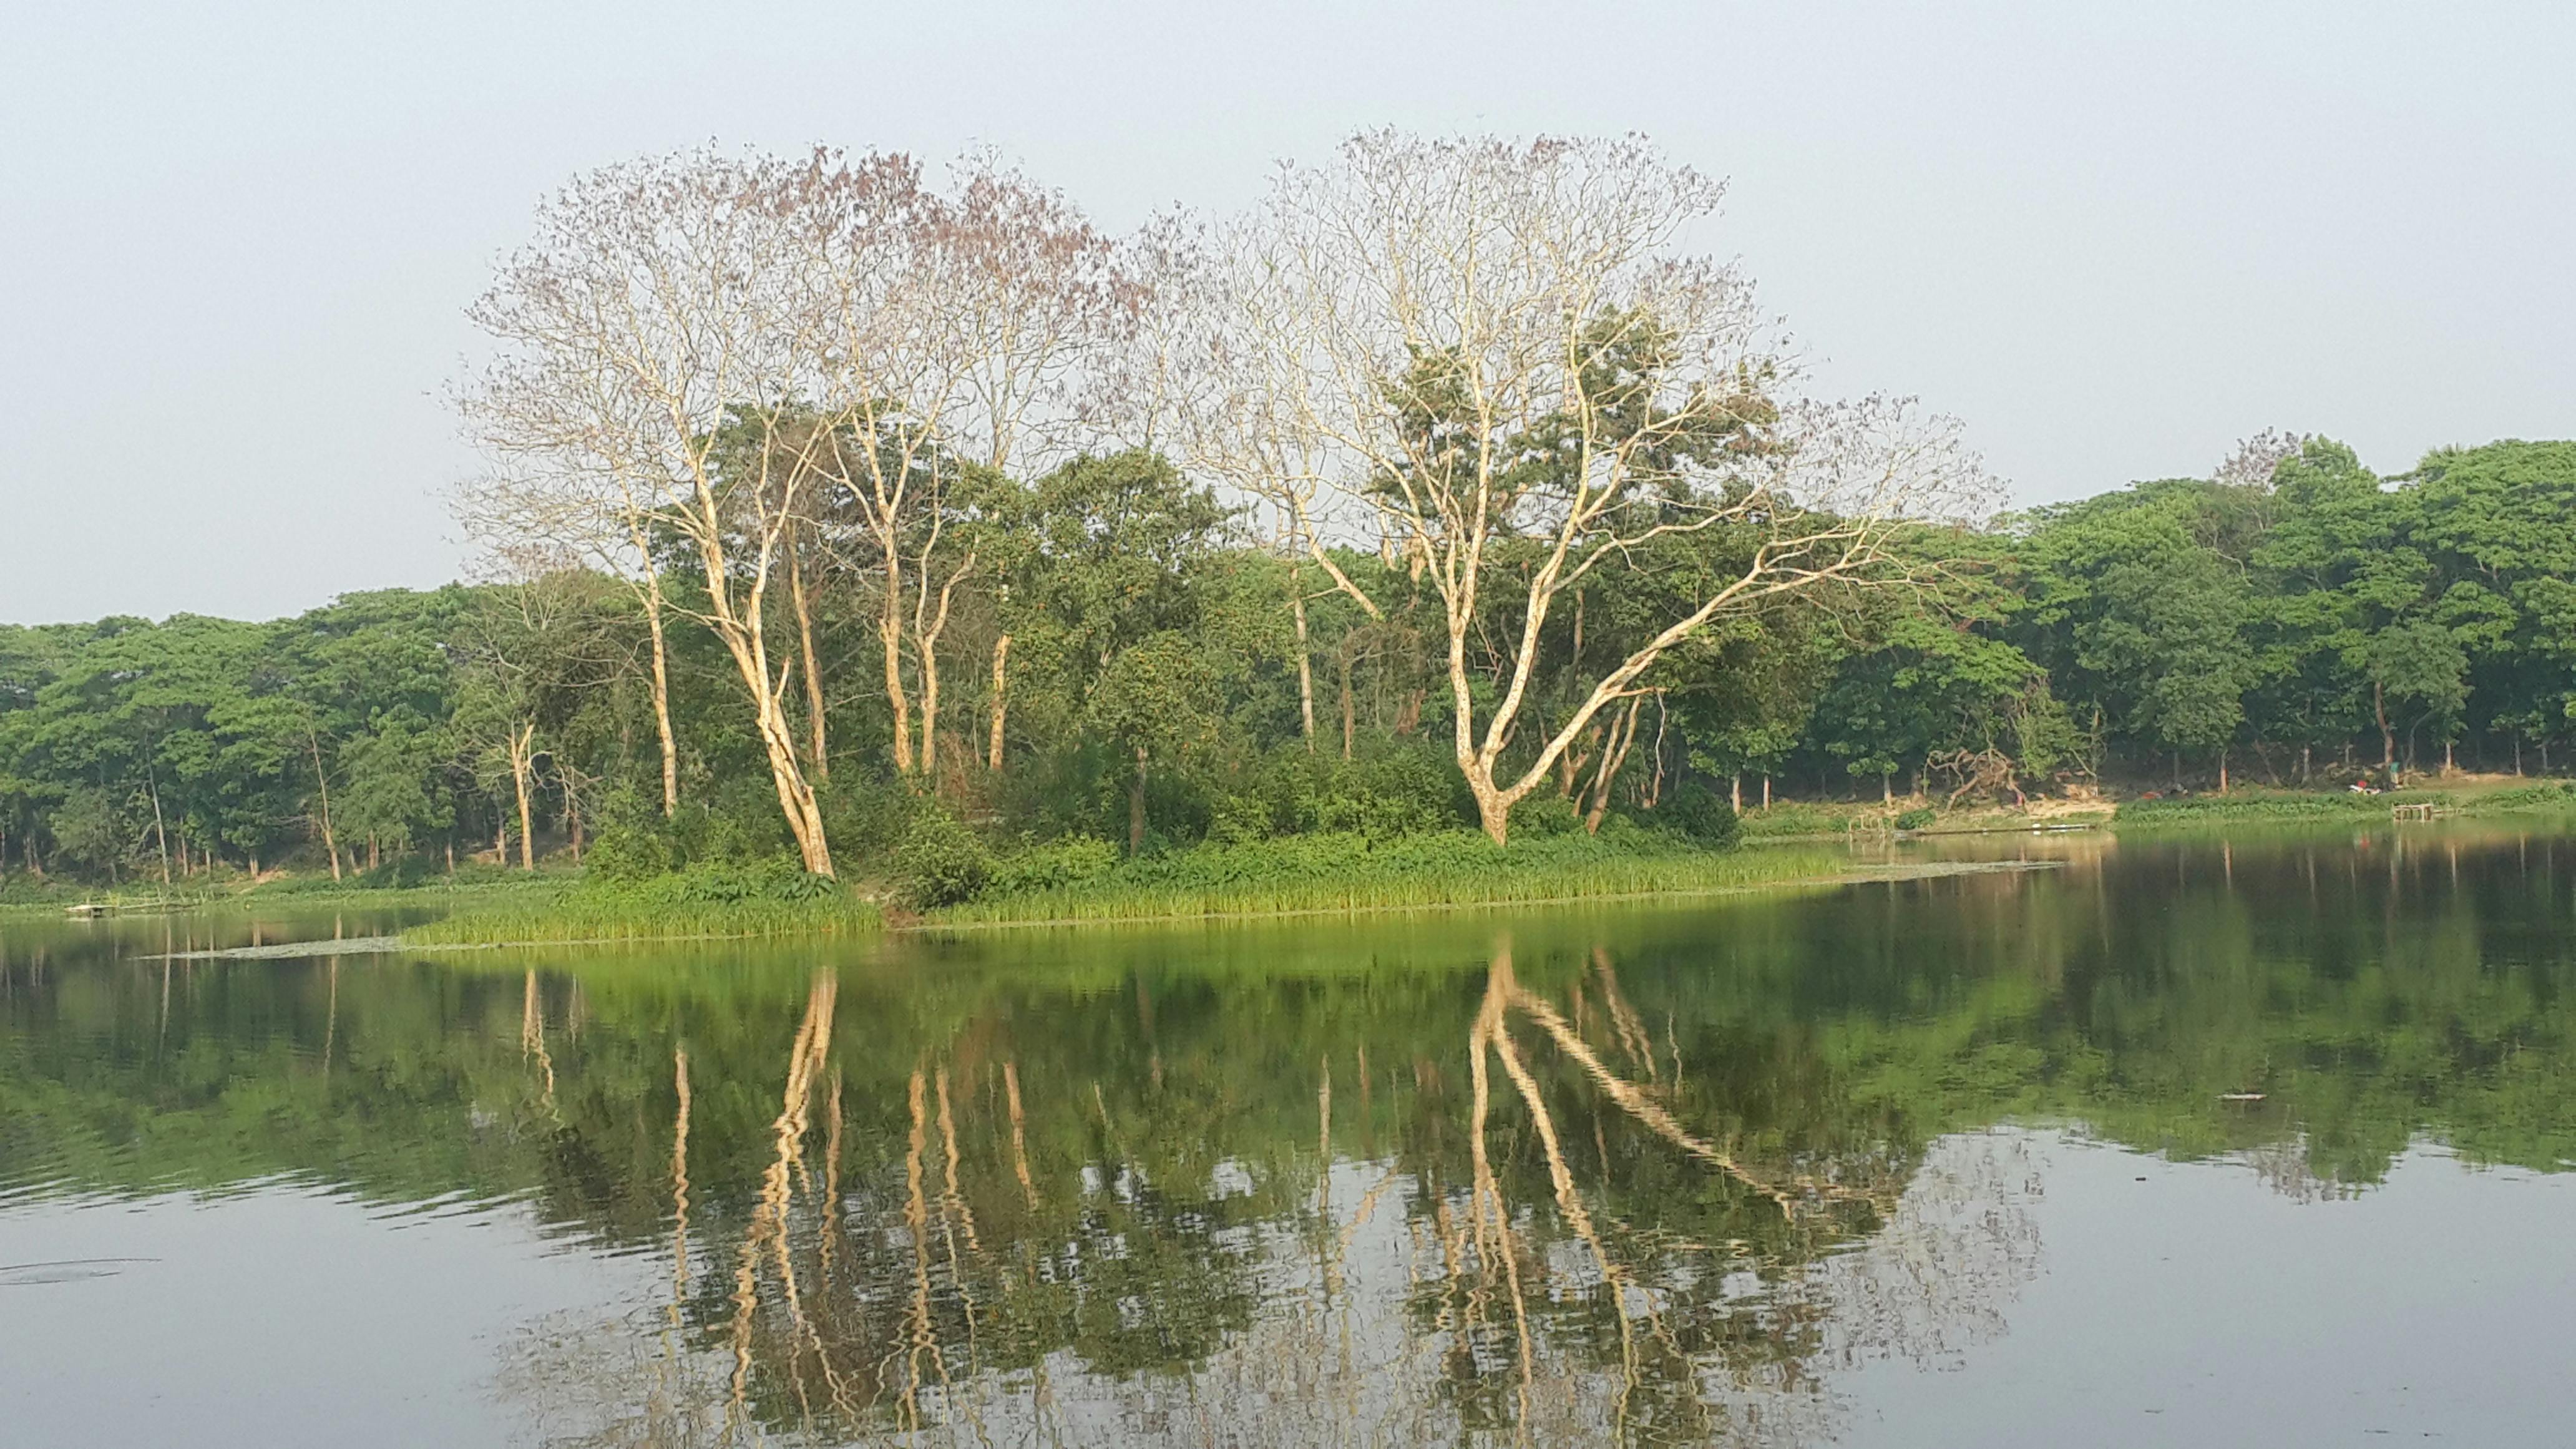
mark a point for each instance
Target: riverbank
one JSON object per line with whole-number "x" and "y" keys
{"x": 2468, "y": 797}
{"x": 1349, "y": 874}
{"x": 476, "y": 884}
{"x": 709, "y": 901}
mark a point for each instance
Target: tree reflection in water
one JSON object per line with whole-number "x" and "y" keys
{"x": 1654, "y": 1175}
{"x": 1489, "y": 1286}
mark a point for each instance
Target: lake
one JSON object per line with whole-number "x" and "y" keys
{"x": 2178, "y": 1140}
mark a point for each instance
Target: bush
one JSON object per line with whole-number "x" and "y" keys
{"x": 1542, "y": 815}
{"x": 1241, "y": 819}
{"x": 1072, "y": 861}
{"x": 629, "y": 851}
{"x": 2544, "y": 792}
{"x": 939, "y": 862}
{"x": 1698, "y": 813}
{"x": 1917, "y": 818}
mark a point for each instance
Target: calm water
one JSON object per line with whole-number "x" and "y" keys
{"x": 2178, "y": 1142}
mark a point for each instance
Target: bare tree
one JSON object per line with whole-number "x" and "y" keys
{"x": 671, "y": 313}
{"x": 2250, "y": 463}
{"x": 558, "y": 497}
{"x": 1492, "y": 356}
{"x": 961, "y": 346}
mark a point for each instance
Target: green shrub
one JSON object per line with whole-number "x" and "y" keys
{"x": 773, "y": 896}
{"x": 1702, "y": 815}
{"x": 1350, "y": 872}
{"x": 2522, "y": 797}
{"x": 1917, "y": 818}
{"x": 1237, "y": 819}
{"x": 1544, "y": 814}
{"x": 939, "y": 862}
{"x": 1058, "y": 864}
{"x": 629, "y": 851}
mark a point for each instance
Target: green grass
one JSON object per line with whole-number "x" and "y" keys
{"x": 1337, "y": 874}
{"x": 587, "y": 916}
{"x": 2263, "y": 805}
{"x": 474, "y": 884}
{"x": 708, "y": 901}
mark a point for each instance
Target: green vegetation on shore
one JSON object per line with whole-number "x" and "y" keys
{"x": 2267, "y": 805}
{"x": 1323, "y": 874}
{"x": 770, "y": 899}
{"x": 944, "y": 663}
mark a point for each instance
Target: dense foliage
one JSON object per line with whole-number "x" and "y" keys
{"x": 2308, "y": 625}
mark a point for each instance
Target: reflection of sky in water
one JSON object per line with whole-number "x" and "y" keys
{"x": 1748, "y": 1174}
{"x": 279, "y": 1317}
{"x": 2032, "y": 1292}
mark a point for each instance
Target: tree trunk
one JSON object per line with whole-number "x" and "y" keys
{"x": 160, "y": 827}
{"x": 2303, "y": 764}
{"x": 1136, "y": 808}
{"x": 2447, "y": 756}
{"x": 1887, "y": 788}
{"x": 1766, "y": 790}
{"x": 2387, "y": 734}
{"x": 322, "y": 783}
{"x": 1305, "y": 659}
{"x": 1493, "y": 812}
{"x": 1570, "y": 763}
{"x": 2222, "y": 769}
{"x": 662, "y": 699}
{"x": 2517, "y": 756}
{"x": 890, "y": 635}
{"x": 928, "y": 648}
{"x": 926, "y": 634}
{"x": 1001, "y": 696}
{"x": 521, "y": 762}
{"x": 1350, "y": 713}
{"x": 817, "y": 751}
{"x": 1655, "y": 787}
{"x": 742, "y": 630}
{"x": 1735, "y": 792}
{"x": 1614, "y": 755}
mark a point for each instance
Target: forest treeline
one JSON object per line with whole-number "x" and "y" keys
{"x": 837, "y": 515}
{"x": 2309, "y": 625}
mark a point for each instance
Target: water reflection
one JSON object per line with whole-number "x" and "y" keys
{"x": 1639, "y": 1177}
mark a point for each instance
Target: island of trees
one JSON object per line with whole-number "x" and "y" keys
{"x": 923, "y": 534}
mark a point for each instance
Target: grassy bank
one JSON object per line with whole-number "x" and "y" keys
{"x": 378, "y": 890}
{"x": 2259, "y": 805}
{"x": 1789, "y": 820}
{"x": 713, "y": 900}
{"x": 1333, "y": 874}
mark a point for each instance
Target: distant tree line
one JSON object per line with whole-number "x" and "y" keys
{"x": 2308, "y": 625}
{"x": 828, "y": 508}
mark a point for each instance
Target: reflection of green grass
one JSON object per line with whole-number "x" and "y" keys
{"x": 1336, "y": 874}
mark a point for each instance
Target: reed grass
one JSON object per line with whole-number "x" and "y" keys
{"x": 712, "y": 901}
{"x": 2286, "y": 805}
{"x": 1349, "y": 874}
{"x": 582, "y": 916}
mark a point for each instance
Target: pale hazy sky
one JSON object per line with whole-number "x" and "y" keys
{"x": 236, "y": 240}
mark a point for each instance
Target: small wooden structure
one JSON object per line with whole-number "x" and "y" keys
{"x": 2415, "y": 812}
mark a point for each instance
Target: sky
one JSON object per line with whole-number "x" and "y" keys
{"x": 237, "y": 242}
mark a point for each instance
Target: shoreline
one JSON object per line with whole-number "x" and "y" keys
{"x": 1864, "y": 875}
